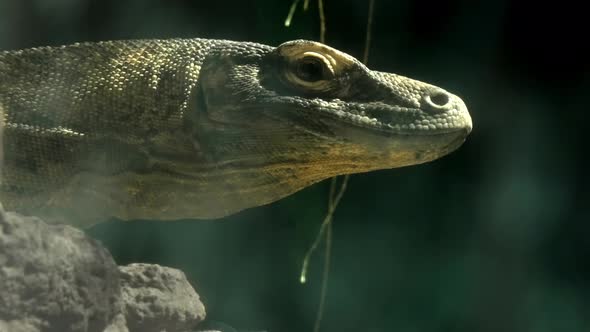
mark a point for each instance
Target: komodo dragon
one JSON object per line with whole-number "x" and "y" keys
{"x": 198, "y": 128}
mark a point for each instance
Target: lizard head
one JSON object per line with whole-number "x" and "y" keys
{"x": 304, "y": 111}
{"x": 304, "y": 92}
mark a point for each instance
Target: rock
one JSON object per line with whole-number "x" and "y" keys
{"x": 159, "y": 298}
{"x": 54, "y": 278}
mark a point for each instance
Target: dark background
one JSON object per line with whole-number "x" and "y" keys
{"x": 494, "y": 237}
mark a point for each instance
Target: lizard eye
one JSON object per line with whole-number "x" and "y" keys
{"x": 310, "y": 69}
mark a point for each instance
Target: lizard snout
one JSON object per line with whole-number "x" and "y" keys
{"x": 439, "y": 102}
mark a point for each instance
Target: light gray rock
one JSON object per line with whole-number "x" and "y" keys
{"x": 54, "y": 278}
{"x": 159, "y": 298}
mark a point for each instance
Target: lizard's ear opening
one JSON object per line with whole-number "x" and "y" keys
{"x": 212, "y": 76}
{"x": 226, "y": 87}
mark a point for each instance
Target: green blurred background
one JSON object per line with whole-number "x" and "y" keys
{"x": 494, "y": 237}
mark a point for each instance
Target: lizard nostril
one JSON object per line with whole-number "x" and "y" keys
{"x": 439, "y": 99}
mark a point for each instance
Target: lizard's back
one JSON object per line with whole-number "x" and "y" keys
{"x": 75, "y": 112}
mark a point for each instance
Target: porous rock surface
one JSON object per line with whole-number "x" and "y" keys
{"x": 158, "y": 298}
{"x": 55, "y": 278}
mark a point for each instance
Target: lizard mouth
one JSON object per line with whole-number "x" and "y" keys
{"x": 395, "y": 120}
{"x": 411, "y": 132}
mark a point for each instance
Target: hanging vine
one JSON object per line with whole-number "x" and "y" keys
{"x": 325, "y": 231}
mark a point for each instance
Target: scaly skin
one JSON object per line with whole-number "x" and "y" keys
{"x": 196, "y": 128}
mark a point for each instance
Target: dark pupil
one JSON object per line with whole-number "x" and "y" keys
{"x": 310, "y": 70}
